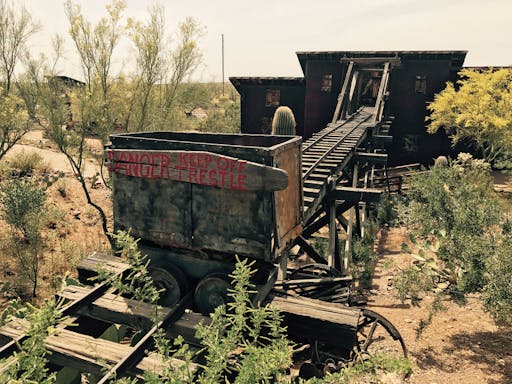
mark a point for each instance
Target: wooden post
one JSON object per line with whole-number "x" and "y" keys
{"x": 341, "y": 97}
{"x": 353, "y": 88}
{"x": 333, "y": 233}
{"x": 350, "y": 228}
{"x": 283, "y": 266}
{"x": 382, "y": 88}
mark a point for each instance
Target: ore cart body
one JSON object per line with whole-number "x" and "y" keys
{"x": 196, "y": 200}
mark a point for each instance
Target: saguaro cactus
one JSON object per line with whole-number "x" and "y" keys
{"x": 441, "y": 162}
{"x": 283, "y": 122}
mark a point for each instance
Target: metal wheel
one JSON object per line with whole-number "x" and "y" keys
{"x": 211, "y": 292}
{"x": 336, "y": 292}
{"x": 375, "y": 335}
{"x": 171, "y": 281}
{"x": 315, "y": 270}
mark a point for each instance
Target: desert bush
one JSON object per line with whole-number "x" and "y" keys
{"x": 363, "y": 259}
{"x": 225, "y": 119}
{"x": 23, "y": 208}
{"x": 459, "y": 232}
{"x": 244, "y": 341}
{"x": 386, "y": 210}
{"x": 31, "y": 363}
{"x": 25, "y": 163}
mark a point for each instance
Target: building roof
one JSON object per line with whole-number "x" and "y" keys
{"x": 457, "y": 56}
{"x": 488, "y": 68}
{"x": 286, "y": 81}
{"x": 69, "y": 81}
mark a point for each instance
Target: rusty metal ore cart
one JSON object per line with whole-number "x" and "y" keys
{"x": 197, "y": 200}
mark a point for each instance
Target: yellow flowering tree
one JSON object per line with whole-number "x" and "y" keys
{"x": 477, "y": 110}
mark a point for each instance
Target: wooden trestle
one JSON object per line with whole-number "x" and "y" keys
{"x": 339, "y": 163}
{"x": 74, "y": 347}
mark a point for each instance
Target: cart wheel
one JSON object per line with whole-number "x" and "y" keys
{"x": 171, "y": 281}
{"x": 376, "y": 334}
{"x": 211, "y": 292}
{"x": 337, "y": 293}
{"x": 315, "y": 270}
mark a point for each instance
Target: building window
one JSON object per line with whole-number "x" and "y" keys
{"x": 326, "y": 83}
{"x": 273, "y": 97}
{"x": 420, "y": 86}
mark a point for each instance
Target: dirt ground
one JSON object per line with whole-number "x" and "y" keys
{"x": 461, "y": 345}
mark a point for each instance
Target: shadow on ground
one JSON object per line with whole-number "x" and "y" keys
{"x": 490, "y": 349}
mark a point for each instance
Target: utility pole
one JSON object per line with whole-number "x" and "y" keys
{"x": 222, "y": 64}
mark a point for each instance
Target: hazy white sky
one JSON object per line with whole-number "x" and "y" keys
{"x": 262, "y": 36}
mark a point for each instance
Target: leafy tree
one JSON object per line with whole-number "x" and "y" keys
{"x": 16, "y": 27}
{"x": 162, "y": 67}
{"x": 477, "y": 110}
{"x": 23, "y": 208}
{"x": 95, "y": 45}
{"x": 149, "y": 41}
{"x": 462, "y": 237}
{"x": 14, "y": 122}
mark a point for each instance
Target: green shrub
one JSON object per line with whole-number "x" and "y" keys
{"x": 24, "y": 210}
{"x": 458, "y": 226}
{"x": 25, "y": 163}
{"x": 31, "y": 363}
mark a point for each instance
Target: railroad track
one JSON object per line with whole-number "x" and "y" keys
{"x": 80, "y": 345}
{"x": 328, "y": 152}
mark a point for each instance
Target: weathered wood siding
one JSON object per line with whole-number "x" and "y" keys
{"x": 192, "y": 216}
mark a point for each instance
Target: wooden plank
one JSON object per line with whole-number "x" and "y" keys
{"x": 197, "y": 167}
{"x": 82, "y": 352}
{"x": 381, "y": 139}
{"x": 317, "y": 281}
{"x": 116, "y": 309}
{"x": 355, "y": 194}
{"x": 372, "y": 158}
{"x": 334, "y": 313}
{"x": 100, "y": 261}
{"x": 309, "y": 319}
{"x": 341, "y": 96}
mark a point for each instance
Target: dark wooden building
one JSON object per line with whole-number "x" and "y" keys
{"x": 260, "y": 97}
{"x": 415, "y": 77}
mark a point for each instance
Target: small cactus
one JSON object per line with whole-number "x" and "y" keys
{"x": 283, "y": 122}
{"x": 441, "y": 162}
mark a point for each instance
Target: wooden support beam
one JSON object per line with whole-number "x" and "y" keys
{"x": 393, "y": 60}
{"x": 324, "y": 220}
{"x": 372, "y": 158}
{"x": 333, "y": 232}
{"x": 348, "y": 243}
{"x": 381, "y": 139}
{"x": 341, "y": 97}
{"x": 310, "y": 251}
{"x": 379, "y": 103}
{"x": 355, "y": 194}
